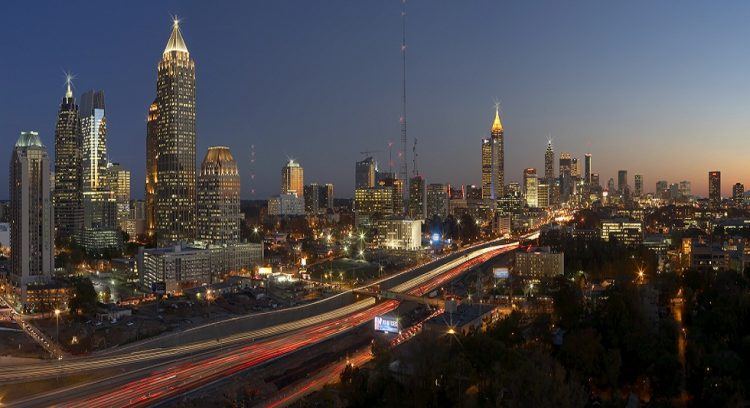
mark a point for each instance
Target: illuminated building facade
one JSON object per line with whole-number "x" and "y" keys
{"x": 175, "y": 189}
{"x": 587, "y": 169}
{"x": 417, "y": 191}
{"x": 638, "y": 185}
{"x": 437, "y": 200}
{"x": 151, "y": 169}
{"x": 120, "y": 186}
{"x": 549, "y": 162}
{"x": 364, "y": 173}
{"x": 218, "y": 214}
{"x": 714, "y": 187}
{"x": 292, "y": 179}
{"x": 398, "y": 233}
{"x": 738, "y": 193}
{"x": 68, "y": 198}
{"x": 530, "y": 187}
{"x": 31, "y": 215}
{"x": 625, "y": 231}
{"x": 493, "y": 161}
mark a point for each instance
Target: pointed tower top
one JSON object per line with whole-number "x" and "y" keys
{"x": 69, "y": 83}
{"x": 176, "y": 42}
{"x": 497, "y": 125}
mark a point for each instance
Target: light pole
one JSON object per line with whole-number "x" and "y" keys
{"x": 57, "y": 325}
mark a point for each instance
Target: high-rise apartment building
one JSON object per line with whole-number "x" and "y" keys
{"x": 417, "y": 191}
{"x": 530, "y": 187}
{"x": 638, "y": 185}
{"x": 68, "y": 194}
{"x": 292, "y": 179}
{"x": 493, "y": 161}
{"x": 31, "y": 220}
{"x": 175, "y": 184}
{"x": 662, "y": 189}
{"x": 328, "y": 195}
{"x": 685, "y": 189}
{"x": 218, "y": 203}
{"x": 714, "y": 187}
{"x": 364, "y": 173}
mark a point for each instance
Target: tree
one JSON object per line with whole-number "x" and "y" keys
{"x": 84, "y": 298}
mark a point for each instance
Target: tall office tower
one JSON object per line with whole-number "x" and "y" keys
{"x": 611, "y": 186}
{"x": 595, "y": 180}
{"x": 738, "y": 193}
{"x": 473, "y": 192}
{"x": 100, "y": 228}
{"x": 543, "y": 192}
{"x": 530, "y": 187}
{"x": 397, "y": 187}
{"x": 31, "y": 218}
{"x": 292, "y": 178}
{"x": 364, "y": 173}
{"x": 638, "y": 183}
{"x": 68, "y": 197}
{"x": 549, "y": 162}
{"x": 574, "y": 170}
{"x": 437, "y": 200}
{"x": 327, "y": 195}
{"x": 714, "y": 187}
{"x": 151, "y": 168}
{"x": 566, "y": 176}
{"x": 587, "y": 169}
{"x": 218, "y": 203}
{"x": 685, "y": 190}
{"x": 493, "y": 161}
{"x": 94, "y": 141}
{"x": 175, "y": 143}
{"x": 622, "y": 181}
{"x": 120, "y": 187}
{"x": 417, "y": 191}
{"x": 315, "y": 198}
{"x": 662, "y": 189}
{"x": 487, "y": 186}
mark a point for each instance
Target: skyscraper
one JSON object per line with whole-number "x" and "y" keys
{"x": 120, "y": 186}
{"x": 530, "y": 187}
{"x": 417, "y": 192}
{"x": 364, "y": 173}
{"x": 31, "y": 220}
{"x": 662, "y": 189}
{"x": 714, "y": 187}
{"x": 595, "y": 180}
{"x": 218, "y": 203}
{"x": 175, "y": 188}
{"x": 151, "y": 168}
{"x": 575, "y": 171}
{"x": 100, "y": 227}
{"x": 566, "y": 176}
{"x": 622, "y": 181}
{"x": 587, "y": 169}
{"x": 549, "y": 162}
{"x": 328, "y": 195}
{"x": 738, "y": 193}
{"x": 638, "y": 185}
{"x": 493, "y": 161}
{"x": 437, "y": 200}
{"x": 292, "y": 179}
{"x": 68, "y": 197}
{"x": 313, "y": 195}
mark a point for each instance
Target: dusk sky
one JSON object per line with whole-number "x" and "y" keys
{"x": 657, "y": 88}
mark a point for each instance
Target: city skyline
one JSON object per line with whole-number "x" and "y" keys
{"x": 614, "y": 124}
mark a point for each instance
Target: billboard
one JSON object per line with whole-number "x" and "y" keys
{"x": 387, "y": 324}
{"x": 500, "y": 273}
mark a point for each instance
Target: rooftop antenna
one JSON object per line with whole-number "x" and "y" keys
{"x": 404, "y": 165}
{"x": 390, "y": 156}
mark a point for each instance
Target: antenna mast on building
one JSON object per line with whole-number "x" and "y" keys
{"x": 404, "y": 165}
{"x": 252, "y": 170}
{"x": 414, "y": 158}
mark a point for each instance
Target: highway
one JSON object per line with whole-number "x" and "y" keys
{"x": 238, "y": 352}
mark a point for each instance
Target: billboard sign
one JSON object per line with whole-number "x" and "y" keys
{"x": 387, "y": 324}
{"x": 500, "y": 273}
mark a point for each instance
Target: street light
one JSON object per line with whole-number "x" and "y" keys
{"x": 57, "y": 324}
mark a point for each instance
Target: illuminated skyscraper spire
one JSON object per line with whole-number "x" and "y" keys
{"x": 176, "y": 42}
{"x": 68, "y": 83}
{"x": 497, "y": 126}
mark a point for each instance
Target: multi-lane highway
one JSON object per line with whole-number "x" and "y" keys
{"x": 221, "y": 358}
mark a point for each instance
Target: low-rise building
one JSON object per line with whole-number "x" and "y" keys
{"x": 399, "y": 233}
{"x": 286, "y": 204}
{"x": 623, "y": 230}
{"x": 539, "y": 263}
{"x": 183, "y": 266}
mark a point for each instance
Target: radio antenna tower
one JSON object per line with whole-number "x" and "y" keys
{"x": 404, "y": 165}
{"x": 252, "y": 170}
{"x": 414, "y": 158}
